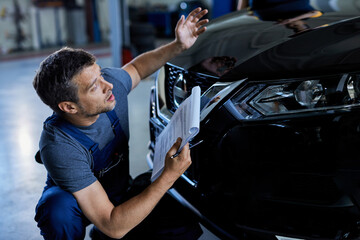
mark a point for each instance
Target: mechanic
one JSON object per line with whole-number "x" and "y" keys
{"x": 84, "y": 146}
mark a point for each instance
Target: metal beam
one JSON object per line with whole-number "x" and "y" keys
{"x": 116, "y": 31}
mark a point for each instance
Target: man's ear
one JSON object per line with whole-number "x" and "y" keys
{"x": 68, "y": 107}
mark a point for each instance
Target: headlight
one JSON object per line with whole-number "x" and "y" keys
{"x": 308, "y": 93}
{"x": 288, "y": 96}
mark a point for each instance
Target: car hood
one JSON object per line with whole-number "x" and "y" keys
{"x": 240, "y": 45}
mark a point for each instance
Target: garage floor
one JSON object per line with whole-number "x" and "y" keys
{"x": 21, "y": 116}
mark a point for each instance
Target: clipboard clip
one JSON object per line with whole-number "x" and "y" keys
{"x": 190, "y": 147}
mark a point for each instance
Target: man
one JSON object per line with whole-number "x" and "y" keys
{"x": 84, "y": 145}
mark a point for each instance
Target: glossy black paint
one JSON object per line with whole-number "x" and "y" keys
{"x": 280, "y": 175}
{"x": 295, "y": 175}
{"x": 326, "y": 50}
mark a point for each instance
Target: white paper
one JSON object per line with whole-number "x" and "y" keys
{"x": 185, "y": 123}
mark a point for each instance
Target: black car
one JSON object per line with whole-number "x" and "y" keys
{"x": 280, "y": 122}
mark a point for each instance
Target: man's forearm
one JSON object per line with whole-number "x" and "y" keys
{"x": 186, "y": 33}
{"x": 130, "y": 213}
{"x": 118, "y": 221}
{"x": 149, "y": 62}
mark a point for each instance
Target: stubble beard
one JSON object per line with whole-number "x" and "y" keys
{"x": 98, "y": 110}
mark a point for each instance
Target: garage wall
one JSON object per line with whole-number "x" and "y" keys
{"x": 8, "y": 27}
{"x": 172, "y": 4}
{"x": 103, "y": 14}
{"x": 49, "y": 35}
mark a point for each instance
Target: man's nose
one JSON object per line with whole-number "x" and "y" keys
{"x": 107, "y": 86}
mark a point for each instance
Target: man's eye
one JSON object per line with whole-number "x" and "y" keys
{"x": 94, "y": 87}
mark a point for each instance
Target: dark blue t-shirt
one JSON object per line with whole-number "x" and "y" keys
{"x": 69, "y": 163}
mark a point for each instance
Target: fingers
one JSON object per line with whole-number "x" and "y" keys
{"x": 193, "y": 13}
{"x": 200, "y": 26}
{"x": 184, "y": 159}
{"x": 200, "y": 15}
{"x": 185, "y": 152}
{"x": 180, "y": 22}
{"x": 196, "y": 14}
{"x": 175, "y": 147}
{"x": 202, "y": 22}
{"x": 175, "y": 167}
{"x": 200, "y": 31}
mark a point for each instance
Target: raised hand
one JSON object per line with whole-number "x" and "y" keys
{"x": 187, "y": 30}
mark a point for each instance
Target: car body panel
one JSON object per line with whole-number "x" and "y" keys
{"x": 280, "y": 126}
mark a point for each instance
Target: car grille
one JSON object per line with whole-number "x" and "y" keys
{"x": 192, "y": 79}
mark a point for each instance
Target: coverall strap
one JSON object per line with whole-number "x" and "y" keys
{"x": 57, "y": 121}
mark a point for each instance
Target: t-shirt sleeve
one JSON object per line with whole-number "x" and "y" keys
{"x": 68, "y": 165}
{"x": 118, "y": 75}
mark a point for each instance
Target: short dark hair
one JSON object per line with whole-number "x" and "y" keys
{"x": 53, "y": 81}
